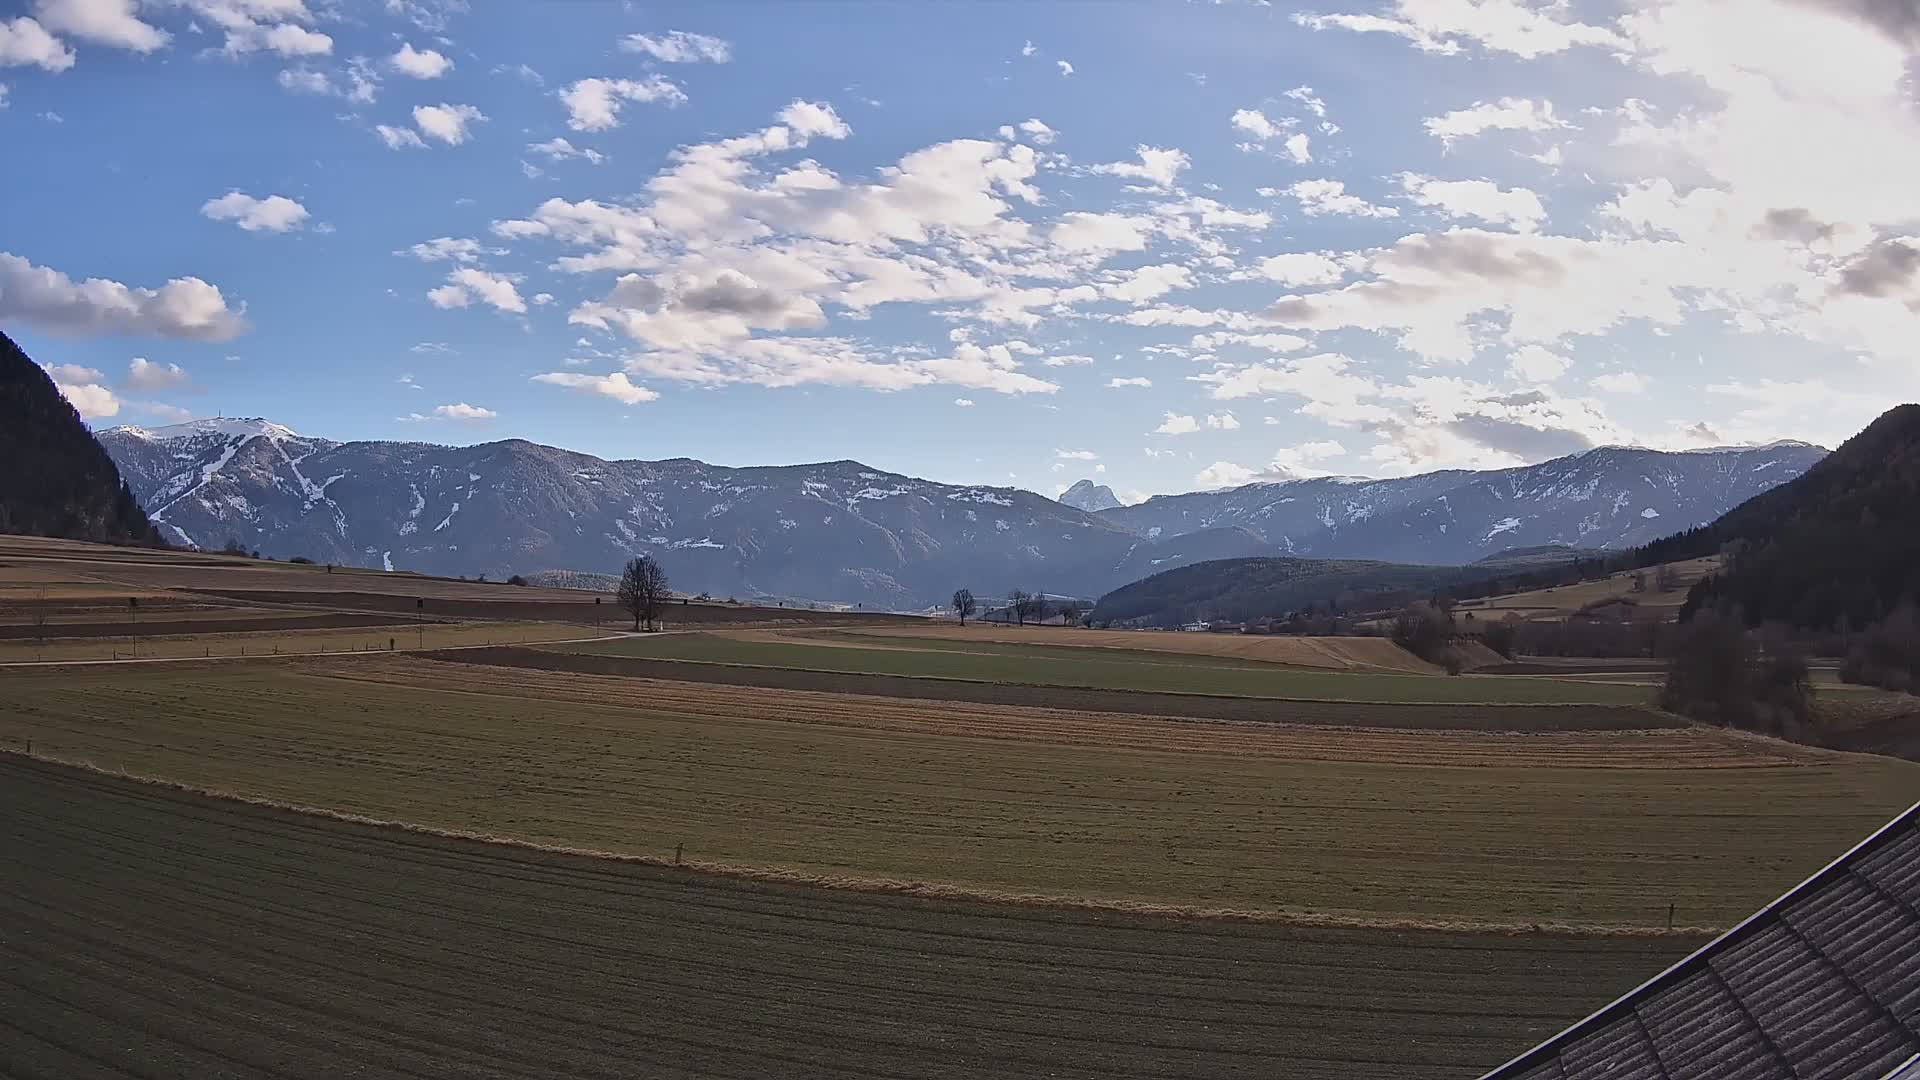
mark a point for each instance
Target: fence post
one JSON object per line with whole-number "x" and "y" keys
{"x": 1669, "y": 916}
{"x": 677, "y": 848}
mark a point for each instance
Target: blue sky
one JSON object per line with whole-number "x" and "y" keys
{"x": 1163, "y": 245}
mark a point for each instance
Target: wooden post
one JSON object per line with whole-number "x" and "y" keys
{"x": 677, "y": 849}
{"x": 1669, "y": 916}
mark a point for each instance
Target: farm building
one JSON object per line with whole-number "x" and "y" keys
{"x": 1822, "y": 983}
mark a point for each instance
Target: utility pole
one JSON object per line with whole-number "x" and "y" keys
{"x": 133, "y": 605}
{"x": 420, "y": 608}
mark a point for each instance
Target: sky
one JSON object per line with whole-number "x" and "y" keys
{"x": 1165, "y": 246}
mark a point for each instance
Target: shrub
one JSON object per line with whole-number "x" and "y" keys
{"x": 1717, "y": 675}
{"x": 516, "y": 580}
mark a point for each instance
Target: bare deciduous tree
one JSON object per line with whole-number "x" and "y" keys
{"x": 643, "y": 588}
{"x": 1018, "y": 604}
{"x": 963, "y": 604}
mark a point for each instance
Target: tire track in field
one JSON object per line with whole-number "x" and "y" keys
{"x": 378, "y": 946}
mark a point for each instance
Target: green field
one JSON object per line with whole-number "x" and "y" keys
{"x": 149, "y": 933}
{"x": 1596, "y": 828}
{"x": 1111, "y": 669}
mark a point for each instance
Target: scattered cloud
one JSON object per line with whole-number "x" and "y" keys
{"x": 1507, "y": 114}
{"x": 468, "y": 284}
{"x": 464, "y": 412}
{"x": 112, "y": 23}
{"x": 679, "y": 47}
{"x": 559, "y": 149}
{"x": 1137, "y": 380}
{"x": 449, "y": 249}
{"x": 1066, "y": 69}
{"x": 146, "y": 377}
{"x": 595, "y": 104}
{"x": 1621, "y": 382}
{"x": 1255, "y": 123}
{"x": 49, "y": 301}
{"x": 447, "y": 123}
{"x": 419, "y": 64}
{"x": 1038, "y": 131}
{"x": 275, "y": 213}
{"x": 614, "y": 386}
{"x": 1330, "y": 197}
{"x": 398, "y": 138}
{"x": 25, "y": 43}
{"x": 1480, "y": 200}
{"x": 91, "y": 400}
{"x": 965, "y": 403}
{"x": 1076, "y": 455}
{"x": 1157, "y": 168}
{"x": 1518, "y": 27}
{"x": 1299, "y": 148}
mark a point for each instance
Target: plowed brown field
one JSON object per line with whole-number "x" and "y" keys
{"x": 155, "y": 934}
{"x": 1465, "y": 829}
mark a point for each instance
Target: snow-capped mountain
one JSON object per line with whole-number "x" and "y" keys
{"x": 1085, "y": 495}
{"x": 835, "y": 531}
{"x": 1609, "y": 497}
{"x": 841, "y": 531}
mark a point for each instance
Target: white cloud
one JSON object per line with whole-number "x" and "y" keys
{"x": 1305, "y": 96}
{"x": 449, "y": 249}
{"x": 419, "y": 64}
{"x": 1518, "y": 27}
{"x": 275, "y": 213}
{"x": 1621, "y": 382}
{"x": 75, "y": 373}
{"x": 447, "y": 123}
{"x": 1158, "y": 168}
{"x": 679, "y": 47}
{"x": 1066, "y": 69}
{"x": 1223, "y": 474}
{"x": 1076, "y": 455}
{"x": 1535, "y": 364}
{"x": 1177, "y": 424}
{"x": 594, "y": 104}
{"x": 1028, "y": 49}
{"x": 965, "y": 403}
{"x": 1138, "y": 380}
{"x": 1222, "y": 422}
{"x": 464, "y": 412}
{"x": 146, "y": 377}
{"x": 1482, "y": 200}
{"x": 23, "y": 42}
{"x": 284, "y": 39}
{"x": 1299, "y": 148}
{"x": 560, "y": 149}
{"x": 1038, "y": 131}
{"x": 102, "y": 22}
{"x": 1148, "y": 282}
{"x": 614, "y": 386}
{"x": 1302, "y": 268}
{"x": 1081, "y": 232}
{"x": 1255, "y": 123}
{"x": 305, "y": 80}
{"x": 53, "y": 303}
{"x": 468, "y": 284}
{"x": 91, "y": 400}
{"x": 398, "y": 138}
{"x": 1507, "y": 114}
{"x": 1320, "y": 197}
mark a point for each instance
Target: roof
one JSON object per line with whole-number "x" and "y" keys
{"x": 1823, "y": 982}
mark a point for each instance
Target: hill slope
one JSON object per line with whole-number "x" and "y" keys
{"x": 1611, "y": 497}
{"x": 55, "y": 479}
{"x": 1840, "y": 542}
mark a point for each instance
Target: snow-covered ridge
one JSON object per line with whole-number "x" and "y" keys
{"x": 227, "y": 427}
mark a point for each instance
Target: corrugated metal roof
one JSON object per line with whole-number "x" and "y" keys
{"x": 1821, "y": 984}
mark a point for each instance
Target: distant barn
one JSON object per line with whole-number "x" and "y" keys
{"x": 1822, "y": 984}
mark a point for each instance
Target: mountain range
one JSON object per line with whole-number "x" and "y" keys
{"x": 845, "y": 532}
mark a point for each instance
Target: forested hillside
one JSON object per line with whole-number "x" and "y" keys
{"x": 1836, "y": 548}
{"x": 56, "y": 480}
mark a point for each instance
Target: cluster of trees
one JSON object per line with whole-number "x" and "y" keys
{"x": 1887, "y": 655}
{"x": 1022, "y": 607}
{"x": 1719, "y": 673}
{"x": 1426, "y": 629}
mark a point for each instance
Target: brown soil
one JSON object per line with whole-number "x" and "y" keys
{"x": 336, "y": 620}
